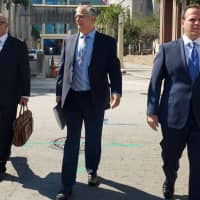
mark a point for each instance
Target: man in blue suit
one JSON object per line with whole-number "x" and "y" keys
{"x": 178, "y": 107}
{"x": 89, "y": 81}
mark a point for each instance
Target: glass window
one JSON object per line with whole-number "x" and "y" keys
{"x": 52, "y": 46}
{"x": 38, "y": 27}
{"x": 61, "y": 2}
{"x": 94, "y": 2}
{"x": 55, "y": 28}
{"x": 36, "y": 1}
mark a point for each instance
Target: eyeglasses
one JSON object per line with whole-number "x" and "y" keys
{"x": 81, "y": 16}
{"x": 2, "y": 23}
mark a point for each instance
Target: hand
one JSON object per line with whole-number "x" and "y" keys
{"x": 115, "y": 100}
{"x": 23, "y": 101}
{"x": 152, "y": 121}
{"x": 58, "y": 99}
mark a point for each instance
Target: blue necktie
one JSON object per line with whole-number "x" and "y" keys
{"x": 193, "y": 62}
{"x": 82, "y": 49}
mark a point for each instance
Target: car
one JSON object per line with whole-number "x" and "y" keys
{"x": 32, "y": 54}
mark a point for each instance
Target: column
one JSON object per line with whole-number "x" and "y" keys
{"x": 120, "y": 42}
{"x": 1, "y": 6}
{"x": 166, "y": 20}
{"x": 11, "y": 19}
{"x": 176, "y": 24}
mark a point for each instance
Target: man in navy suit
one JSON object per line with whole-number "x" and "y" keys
{"x": 178, "y": 107}
{"x": 14, "y": 86}
{"x": 89, "y": 81}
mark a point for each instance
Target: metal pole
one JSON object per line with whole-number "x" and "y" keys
{"x": 120, "y": 43}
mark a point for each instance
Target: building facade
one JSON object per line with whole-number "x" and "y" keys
{"x": 138, "y": 8}
{"x": 68, "y": 2}
{"x": 53, "y": 29}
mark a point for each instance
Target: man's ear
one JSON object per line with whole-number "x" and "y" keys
{"x": 93, "y": 19}
{"x": 182, "y": 22}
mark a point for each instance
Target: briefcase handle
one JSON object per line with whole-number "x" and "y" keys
{"x": 23, "y": 107}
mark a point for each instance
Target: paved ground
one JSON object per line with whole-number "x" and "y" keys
{"x": 130, "y": 168}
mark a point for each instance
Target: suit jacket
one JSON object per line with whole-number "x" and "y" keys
{"x": 15, "y": 72}
{"x": 178, "y": 93}
{"x": 104, "y": 70}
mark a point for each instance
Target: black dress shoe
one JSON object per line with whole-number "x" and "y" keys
{"x": 93, "y": 180}
{"x": 2, "y": 167}
{"x": 2, "y": 171}
{"x": 2, "y": 176}
{"x": 64, "y": 194}
{"x": 168, "y": 190}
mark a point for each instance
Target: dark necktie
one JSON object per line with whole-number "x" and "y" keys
{"x": 193, "y": 62}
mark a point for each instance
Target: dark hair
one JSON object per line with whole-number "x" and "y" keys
{"x": 197, "y": 6}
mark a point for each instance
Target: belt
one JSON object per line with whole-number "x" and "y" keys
{"x": 82, "y": 92}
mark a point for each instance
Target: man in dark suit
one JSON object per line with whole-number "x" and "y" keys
{"x": 83, "y": 89}
{"x": 178, "y": 107}
{"x": 14, "y": 86}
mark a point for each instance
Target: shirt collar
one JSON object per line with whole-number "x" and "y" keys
{"x": 90, "y": 34}
{"x": 3, "y": 38}
{"x": 187, "y": 40}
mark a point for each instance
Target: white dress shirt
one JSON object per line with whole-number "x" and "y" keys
{"x": 80, "y": 80}
{"x": 187, "y": 47}
{"x": 3, "y": 39}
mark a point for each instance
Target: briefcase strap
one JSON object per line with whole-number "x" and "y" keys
{"x": 23, "y": 108}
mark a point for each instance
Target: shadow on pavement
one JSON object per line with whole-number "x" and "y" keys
{"x": 113, "y": 190}
{"x": 45, "y": 186}
{"x": 49, "y": 185}
{"x": 181, "y": 197}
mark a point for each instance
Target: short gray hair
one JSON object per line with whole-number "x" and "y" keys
{"x": 91, "y": 11}
{"x": 3, "y": 18}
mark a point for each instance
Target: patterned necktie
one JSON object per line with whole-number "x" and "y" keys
{"x": 1, "y": 45}
{"x": 193, "y": 62}
{"x": 82, "y": 48}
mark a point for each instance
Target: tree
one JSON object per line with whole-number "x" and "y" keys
{"x": 107, "y": 21}
{"x": 132, "y": 34}
{"x": 195, "y": 1}
{"x": 24, "y": 3}
{"x": 150, "y": 27}
{"x": 186, "y": 1}
{"x": 35, "y": 33}
{"x": 143, "y": 30}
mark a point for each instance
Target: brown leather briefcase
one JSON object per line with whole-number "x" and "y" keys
{"x": 23, "y": 126}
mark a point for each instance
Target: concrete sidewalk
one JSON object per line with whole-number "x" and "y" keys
{"x": 130, "y": 168}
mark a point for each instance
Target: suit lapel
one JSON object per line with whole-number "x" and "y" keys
{"x": 5, "y": 46}
{"x": 183, "y": 57}
{"x": 97, "y": 43}
{"x": 70, "y": 48}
